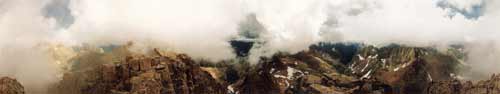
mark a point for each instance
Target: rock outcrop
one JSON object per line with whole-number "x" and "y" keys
{"x": 10, "y": 86}
{"x": 490, "y": 86}
{"x": 303, "y": 73}
{"x": 408, "y": 70}
{"x": 363, "y": 70}
{"x": 161, "y": 74}
{"x": 387, "y": 70}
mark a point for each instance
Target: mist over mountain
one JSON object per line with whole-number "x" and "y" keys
{"x": 44, "y": 41}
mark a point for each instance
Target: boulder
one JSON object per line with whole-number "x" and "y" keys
{"x": 10, "y": 86}
{"x": 490, "y": 86}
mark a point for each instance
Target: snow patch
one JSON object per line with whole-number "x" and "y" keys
{"x": 361, "y": 57}
{"x": 280, "y": 76}
{"x": 456, "y": 76}
{"x": 352, "y": 67}
{"x": 272, "y": 70}
{"x": 383, "y": 63}
{"x": 231, "y": 89}
{"x": 367, "y": 75}
{"x": 403, "y": 66}
{"x": 289, "y": 76}
{"x": 366, "y": 66}
{"x": 429, "y": 77}
{"x": 287, "y": 84}
{"x": 290, "y": 72}
{"x": 372, "y": 57}
{"x": 396, "y": 69}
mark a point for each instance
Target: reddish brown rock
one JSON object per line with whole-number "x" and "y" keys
{"x": 146, "y": 65}
{"x": 10, "y": 86}
{"x": 109, "y": 72}
{"x": 176, "y": 74}
{"x": 284, "y": 74}
{"x": 490, "y": 86}
{"x": 393, "y": 71}
{"x": 146, "y": 83}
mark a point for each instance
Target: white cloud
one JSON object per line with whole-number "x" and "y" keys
{"x": 201, "y": 28}
{"x": 22, "y": 28}
{"x": 198, "y": 28}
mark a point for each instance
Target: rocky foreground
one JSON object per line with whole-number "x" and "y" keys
{"x": 10, "y": 86}
{"x": 491, "y": 86}
{"x": 172, "y": 74}
{"x": 320, "y": 70}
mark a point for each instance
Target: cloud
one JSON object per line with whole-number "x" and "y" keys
{"x": 202, "y": 28}
{"x": 404, "y": 21}
{"x": 420, "y": 23}
{"x": 484, "y": 44}
{"x": 22, "y": 28}
{"x": 287, "y": 25}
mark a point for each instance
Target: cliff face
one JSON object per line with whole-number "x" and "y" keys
{"x": 406, "y": 69}
{"x": 172, "y": 74}
{"x": 371, "y": 70}
{"x": 490, "y": 86}
{"x": 391, "y": 69}
{"x": 10, "y": 86}
{"x": 303, "y": 73}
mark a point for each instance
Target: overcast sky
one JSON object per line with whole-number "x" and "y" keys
{"x": 202, "y": 28}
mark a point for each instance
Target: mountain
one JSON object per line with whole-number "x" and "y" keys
{"x": 164, "y": 73}
{"x": 325, "y": 68}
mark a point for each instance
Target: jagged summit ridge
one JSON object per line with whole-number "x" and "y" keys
{"x": 319, "y": 70}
